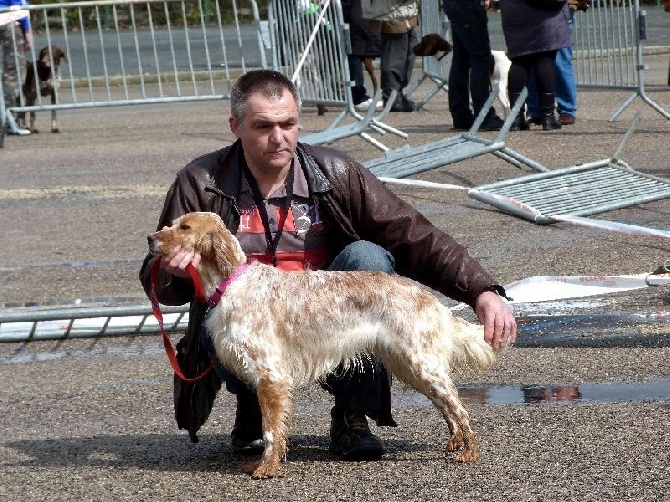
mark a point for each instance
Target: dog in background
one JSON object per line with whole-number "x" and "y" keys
{"x": 276, "y": 344}
{"x": 433, "y": 44}
{"x": 43, "y": 79}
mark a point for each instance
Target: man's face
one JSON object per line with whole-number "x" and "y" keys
{"x": 268, "y": 131}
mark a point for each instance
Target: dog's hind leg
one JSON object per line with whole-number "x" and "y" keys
{"x": 436, "y": 385}
{"x": 276, "y": 402}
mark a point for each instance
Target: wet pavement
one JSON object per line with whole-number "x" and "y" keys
{"x": 577, "y": 410}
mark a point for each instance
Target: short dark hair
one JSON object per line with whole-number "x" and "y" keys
{"x": 269, "y": 83}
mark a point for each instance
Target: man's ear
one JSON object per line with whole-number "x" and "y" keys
{"x": 234, "y": 126}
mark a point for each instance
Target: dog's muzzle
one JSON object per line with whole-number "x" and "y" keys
{"x": 153, "y": 244}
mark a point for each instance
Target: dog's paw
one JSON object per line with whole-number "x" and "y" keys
{"x": 261, "y": 470}
{"x": 469, "y": 454}
{"x": 455, "y": 443}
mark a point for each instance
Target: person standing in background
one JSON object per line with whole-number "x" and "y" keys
{"x": 16, "y": 37}
{"x": 471, "y": 64}
{"x": 566, "y": 85}
{"x": 365, "y": 43}
{"x": 396, "y": 20}
{"x": 534, "y": 30}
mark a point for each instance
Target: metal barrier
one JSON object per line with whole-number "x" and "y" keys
{"x": 433, "y": 20}
{"x": 24, "y": 325}
{"x": 125, "y": 52}
{"x": 310, "y": 43}
{"x": 608, "y": 49}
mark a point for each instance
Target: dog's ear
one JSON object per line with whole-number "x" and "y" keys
{"x": 59, "y": 54}
{"x": 219, "y": 246}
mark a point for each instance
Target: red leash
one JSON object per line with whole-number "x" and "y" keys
{"x": 155, "y": 307}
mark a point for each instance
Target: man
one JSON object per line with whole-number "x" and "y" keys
{"x": 471, "y": 63}
{"x": 397, "y": 21}
{"x": 299, "y": 206}
{"x": 16, "y": 37}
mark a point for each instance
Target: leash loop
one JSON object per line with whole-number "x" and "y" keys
{"x": 155, "y": 307}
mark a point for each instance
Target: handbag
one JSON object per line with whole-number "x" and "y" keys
{"x": 193, "y": 401}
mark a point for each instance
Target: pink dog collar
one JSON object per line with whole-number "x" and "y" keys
{"x": 216, "y": 296}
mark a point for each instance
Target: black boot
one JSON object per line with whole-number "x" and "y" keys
{"x": 547, "y": 107}
{"x": 351, "y": 438}
{"x": 519, "y": 123}
{"x": 247, "y": 434}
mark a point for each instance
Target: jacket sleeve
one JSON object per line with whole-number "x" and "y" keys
{"x": 422, "y": 251}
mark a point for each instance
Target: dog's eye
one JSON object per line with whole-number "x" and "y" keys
{"x": 184, "y": 226}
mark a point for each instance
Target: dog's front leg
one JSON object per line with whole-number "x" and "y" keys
{"x": 54, "y": 121}
{"x": 275, "y": 401}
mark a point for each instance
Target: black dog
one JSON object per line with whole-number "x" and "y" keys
{"x": 42, "y": 78}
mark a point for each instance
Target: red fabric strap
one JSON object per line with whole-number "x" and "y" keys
{"x": 155, "y": 307}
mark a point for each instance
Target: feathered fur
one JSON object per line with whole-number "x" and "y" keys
{"x": 279, "y": 330}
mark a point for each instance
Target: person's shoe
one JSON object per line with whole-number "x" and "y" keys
{"x": 566, "y": 119}
{"x": 12, "y": 127}
{"x": 364, "y": 106}
{"x": 492, "y": 123}
{"x": 549, "y": 122}
{"x": 350, "y": 437}
{"x": 403, "y": 104}
{"x": 534, "y": 120}
{"x": 246, "y": 438}
{"x": 463, "y": 125}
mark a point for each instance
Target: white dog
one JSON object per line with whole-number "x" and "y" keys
{"x": 501, "y": 68}
{"x": 278, "y": 330}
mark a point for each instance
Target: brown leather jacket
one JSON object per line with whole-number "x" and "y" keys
{"x": 357, "y": 205}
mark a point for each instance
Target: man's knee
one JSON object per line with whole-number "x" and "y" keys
{"x": 364, "y": 255}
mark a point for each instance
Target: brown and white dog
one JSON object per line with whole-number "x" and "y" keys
{"x": 279, "y": 330}
{"x": 47, "y": 83}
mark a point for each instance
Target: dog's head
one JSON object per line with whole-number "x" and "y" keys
{"x": 203, "y": 233}
{"x": 431, "y": 45}
{"x": 43, "y": 63}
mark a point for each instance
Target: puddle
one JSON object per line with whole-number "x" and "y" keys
{"x": 653, "y": 390}
{"x": 623, "y": 329}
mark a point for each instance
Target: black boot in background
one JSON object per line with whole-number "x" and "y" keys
{"x": 519, "y": 123}
{"x": 547, "y": 108}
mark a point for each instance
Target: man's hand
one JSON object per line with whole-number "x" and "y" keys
{"x": 177, "y": 260}
{"x": 497, "y": 318}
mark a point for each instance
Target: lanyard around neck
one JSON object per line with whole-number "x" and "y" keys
{"x": 272, "y": 242}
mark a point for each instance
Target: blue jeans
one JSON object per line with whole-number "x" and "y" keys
{"x": 365, "y": 391}
{"x": 566, "y": 86}
{"x": 472, "y": 62}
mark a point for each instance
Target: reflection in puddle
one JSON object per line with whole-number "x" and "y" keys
{"x": 653, "y": 390}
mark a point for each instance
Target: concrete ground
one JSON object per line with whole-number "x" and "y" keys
{"x": 92, "y": 419}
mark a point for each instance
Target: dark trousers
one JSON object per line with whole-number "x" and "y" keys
{"x": 397, "y": 61}
{"x": 543, "y": 65}
{"x": 472, "y": 62}
{"x": 363, "y": 388}
{"x": 358, "y": 91}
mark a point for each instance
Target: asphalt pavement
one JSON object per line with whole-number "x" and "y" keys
{"x": 92, "y": 419}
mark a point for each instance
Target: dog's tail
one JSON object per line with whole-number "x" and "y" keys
{"x": 470, "y": 349}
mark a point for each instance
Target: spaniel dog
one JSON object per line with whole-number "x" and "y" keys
{"x": 279, "y": 330}
{"x": 41, "y": 79}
